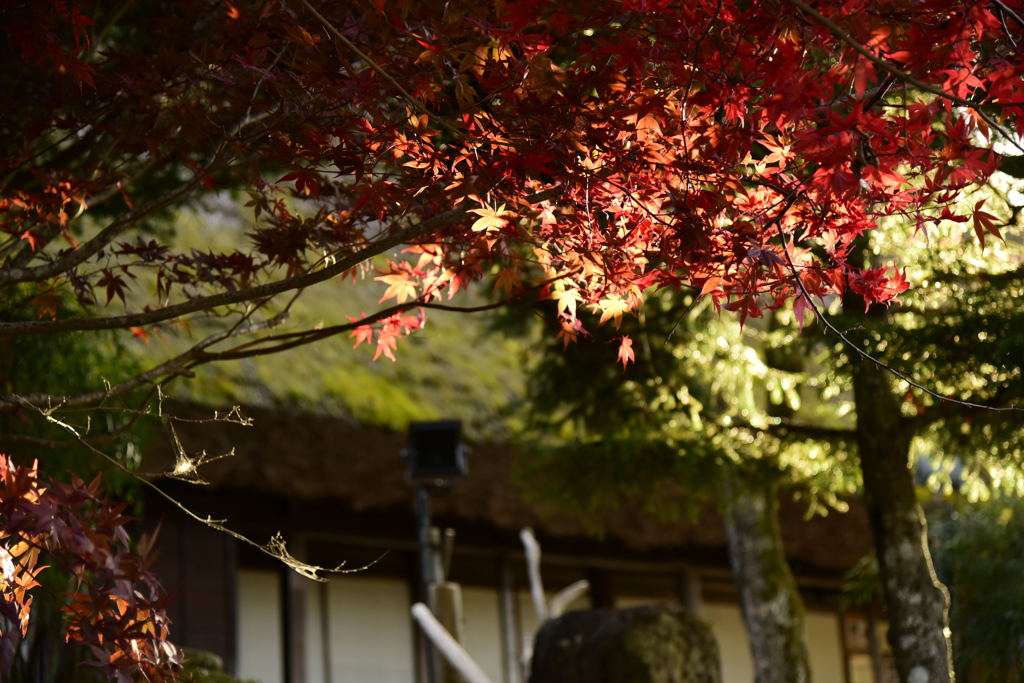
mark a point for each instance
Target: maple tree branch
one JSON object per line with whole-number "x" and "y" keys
{"x": 1006, "y": 8}
{"x": 198, "y": 355}
{"x": 172, "y": 367}
{"x": 948, "y": 410}
{"x": 15, "y": 271}
{"x": 838, "y": 31}
{"x": 9, "y": 329}
{"x": 51, "y": 230}
{"x": 1006, "y": 29}
{"x": 83, "y": 140}
{"x": 232, "y": 297}
{"x": 77, "y": 256}
{"x": 290, "y": 340}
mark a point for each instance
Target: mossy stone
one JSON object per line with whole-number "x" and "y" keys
{"x": 637, "y": 645}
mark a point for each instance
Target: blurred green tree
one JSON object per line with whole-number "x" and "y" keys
{"x": 979, "y": 554}
{"x": 711, "y": 411}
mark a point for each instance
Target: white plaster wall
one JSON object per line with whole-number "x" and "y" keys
{"x": 481, "y": 635}
{"x": 727, "y": 624}
{"x": 821, "y": 633}
{"x": 260, "y": 631}
{"x": 314, "y": 633}
{"x": 371, "y": 636}
{"x": 825, "y": 647}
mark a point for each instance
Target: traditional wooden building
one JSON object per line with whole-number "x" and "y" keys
{"x": 338, "y": 494}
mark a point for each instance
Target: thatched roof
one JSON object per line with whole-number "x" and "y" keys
{"x": 302, "y": 457}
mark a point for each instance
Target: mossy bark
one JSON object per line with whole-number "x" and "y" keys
{"x": 771, "y": 605}
{"x": 638, "y": 645}
{"x": 917, "y": 603}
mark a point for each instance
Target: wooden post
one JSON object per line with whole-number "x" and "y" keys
{"x": 511, "y": 660}
{"x": 447, "y": 600}
{"x": 690, "y": 591}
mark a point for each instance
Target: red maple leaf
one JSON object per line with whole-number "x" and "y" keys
{"x": 625, "y": 351}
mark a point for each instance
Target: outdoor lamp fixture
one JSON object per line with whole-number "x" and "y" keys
{"x": 435, "y": 458}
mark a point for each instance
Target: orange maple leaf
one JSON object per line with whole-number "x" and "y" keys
{"x": 399, "y": 286}
{"x": 625, "y": 351}
{"x": 386, "y": 344}
{"x": 490, "y": 218}
{"x": 612, "y": 308}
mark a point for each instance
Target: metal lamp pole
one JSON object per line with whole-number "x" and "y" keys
{"x": 426, "y": 562}
{"x": 435, "y": 458}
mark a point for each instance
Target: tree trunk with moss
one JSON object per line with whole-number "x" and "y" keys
{"x": 772, "y": 608}
{"x": 917, "y": 602}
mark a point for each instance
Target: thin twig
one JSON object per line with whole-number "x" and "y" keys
{"x": 860, "y": 351}
{"x": 1003, "y": 6}
{"x": 444, "y": 123}
{"x": 172, "y": 367}
{"x": 275, "y": 548}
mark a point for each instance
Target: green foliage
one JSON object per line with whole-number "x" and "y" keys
{"x": 66, "y": 365}
{"x": 704, "y": 393}
{"x": 862, "y": 585}
{"x": 205, "y": 667}
{"x": 979, "y": 554}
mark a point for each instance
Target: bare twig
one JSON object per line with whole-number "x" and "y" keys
{"x": 275, "y": 547}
